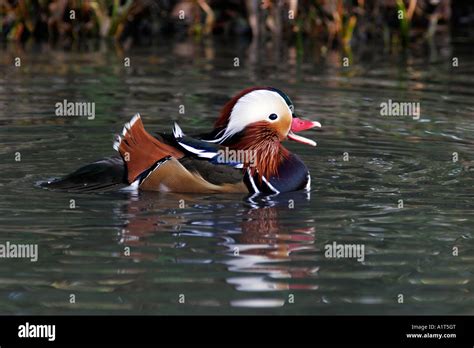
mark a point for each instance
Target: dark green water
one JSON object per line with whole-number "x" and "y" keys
{"x": 191, "y": 250}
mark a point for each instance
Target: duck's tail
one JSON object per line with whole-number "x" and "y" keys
{"x": 140, "y": 150}
{"x": 104, "y": 175}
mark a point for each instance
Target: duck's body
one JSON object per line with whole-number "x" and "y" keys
{"x": 243, "y": 154}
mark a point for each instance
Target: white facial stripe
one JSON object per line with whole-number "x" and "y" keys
{"x": 254, "y": 107}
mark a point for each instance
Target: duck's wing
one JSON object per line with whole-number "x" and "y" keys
{"x": 217, "y": 174}
{"x": 181, "y": 164}
{"x": 166, "y": 163}
{"x": 207, "y": 159}
{"x": 187, "y": 176}
{"x": 203, "y": 150}
{"x": 141, "y": 151}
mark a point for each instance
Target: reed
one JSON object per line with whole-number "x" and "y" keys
{"x": 334, "y": 23}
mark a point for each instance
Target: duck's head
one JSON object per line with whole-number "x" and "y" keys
{"x": 264, "y": 113}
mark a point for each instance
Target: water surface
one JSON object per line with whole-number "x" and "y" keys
{"x": 225, "y": 253}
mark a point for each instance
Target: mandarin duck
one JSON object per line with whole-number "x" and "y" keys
{"x": 242, "y": 154}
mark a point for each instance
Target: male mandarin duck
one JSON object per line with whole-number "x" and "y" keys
{"x": 252, "y": 124}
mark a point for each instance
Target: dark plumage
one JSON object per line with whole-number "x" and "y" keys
{"x": 107, "y": 174}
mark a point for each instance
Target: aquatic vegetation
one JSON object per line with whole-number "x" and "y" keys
{"x": 403, "y": 16}
{"x": 333, "y": 23}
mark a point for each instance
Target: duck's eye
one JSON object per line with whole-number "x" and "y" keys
{"x": 273, "y": 117}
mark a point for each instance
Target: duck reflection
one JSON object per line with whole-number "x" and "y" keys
{"x": 265, "y": 245}
{"x": 257, "y": 251}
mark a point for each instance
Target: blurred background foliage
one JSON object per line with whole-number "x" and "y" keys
{"x": 333, "y": 22}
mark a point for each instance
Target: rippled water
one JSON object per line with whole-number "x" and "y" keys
{"x": 192, "y": 251}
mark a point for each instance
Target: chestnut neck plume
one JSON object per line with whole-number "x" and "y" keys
{"x": 266, "y": 143}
